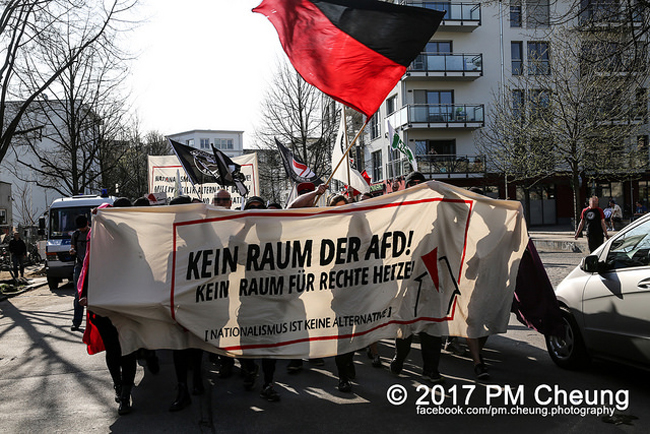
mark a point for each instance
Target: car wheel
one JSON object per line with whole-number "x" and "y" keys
{"x": 569, "y": 351}
{"x": 53, "y": 283}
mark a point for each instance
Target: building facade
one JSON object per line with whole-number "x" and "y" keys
{"x": 449, "y": 93}
{"x": 230, "y": 143}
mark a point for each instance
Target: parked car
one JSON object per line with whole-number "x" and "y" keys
{"x": 605, "y": 303}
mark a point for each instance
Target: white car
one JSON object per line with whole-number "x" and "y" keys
{"x": 605, "y": 303}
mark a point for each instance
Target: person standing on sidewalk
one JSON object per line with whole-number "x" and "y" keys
{"x": 18, "y": 250}
{"x": 78, "y": 245}
{"x": 593, "y": 218}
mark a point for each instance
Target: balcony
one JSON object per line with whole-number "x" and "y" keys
{"x": 451, "y": 166}
{"x": 453, "y": 66}
{"x": 439, "y": 116}
{"x": 459, "y": 17}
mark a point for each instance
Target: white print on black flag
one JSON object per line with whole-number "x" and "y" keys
{"x": 315, "y": 282}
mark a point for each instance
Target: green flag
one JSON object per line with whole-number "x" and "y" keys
{"x": 397, "y": 143}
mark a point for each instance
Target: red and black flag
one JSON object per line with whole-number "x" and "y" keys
{"x": 295, "y": 168}
{"x": 353, "y": 50}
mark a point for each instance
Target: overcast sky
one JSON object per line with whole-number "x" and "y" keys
{"x": 202, "y": 64}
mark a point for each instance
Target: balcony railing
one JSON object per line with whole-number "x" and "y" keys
{"x": 447, "y": 114}
{"x": 451, "y": 165}
{"x": 465, "y": 12}
{"x": 430, "y": 62}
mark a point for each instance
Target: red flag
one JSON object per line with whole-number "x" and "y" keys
{"x": 354, "y": 50}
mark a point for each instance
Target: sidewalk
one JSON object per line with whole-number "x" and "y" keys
{"x": 557, "y": 238}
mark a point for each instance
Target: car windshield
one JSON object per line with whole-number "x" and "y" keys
{"x": 62, "y": 220}
{"x": 630, "y": 249}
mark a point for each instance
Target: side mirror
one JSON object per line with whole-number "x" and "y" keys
{"x": 590, "y": 264}
{"x": 41, "y": 226}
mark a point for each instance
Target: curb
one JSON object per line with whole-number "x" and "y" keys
{"x": 560, "y": 246}
{"x": 22, "y": 290}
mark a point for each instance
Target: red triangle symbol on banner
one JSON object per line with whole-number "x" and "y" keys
{"x": 431, "y": 262}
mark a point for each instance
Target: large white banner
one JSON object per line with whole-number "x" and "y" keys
{"x": 310, "y": 282}
{"x": 166, "y": 171}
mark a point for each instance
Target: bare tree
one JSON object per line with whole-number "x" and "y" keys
{"x": 302, "y": 118}
{"x": 129, "y": 176}
{"x": 26, "y": 213}
{"x": 574, "y": 115}
{"x": 30, "y": 32}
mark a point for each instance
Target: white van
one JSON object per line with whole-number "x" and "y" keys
{"x": 59, "y": 264}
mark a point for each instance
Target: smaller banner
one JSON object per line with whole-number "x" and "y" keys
{"x": 166, "y": 171}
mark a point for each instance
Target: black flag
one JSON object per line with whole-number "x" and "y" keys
{"x": 229, "y": 171}
{"x": 203, "y": 167}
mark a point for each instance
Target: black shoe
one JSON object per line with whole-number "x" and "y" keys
{"x": 152, "y": 364}
{"x": 125, "y": 401}
{"x": 74, "y": 328}
{"x": 395, "y": 366}
{"x": 344, "y": 386}
{"x": 481, "y": 371}
{"x": 182, "y": 399}
{"x": 432, "y": 376}
{"x": 376, "y": 362}
{"x": 118, "y": 392}
{"x": 251, "y": 377}
{"x": 269, "y": 393}
{"x": 317, "y": 362}
{"x": 294, "y": 366}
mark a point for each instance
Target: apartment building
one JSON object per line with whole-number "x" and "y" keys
{"x": 449, "y": 92}
{"x": 230, "y": 143}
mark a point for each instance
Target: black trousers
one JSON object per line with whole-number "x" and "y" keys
{"x": 122, "y": 368}
{"x": 430, "y": 350}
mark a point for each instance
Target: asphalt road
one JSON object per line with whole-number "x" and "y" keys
{"x": 49, "y": 384}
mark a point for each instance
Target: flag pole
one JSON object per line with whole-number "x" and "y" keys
{"x": 347, "y": 158}
{"x": 345, "y": 154}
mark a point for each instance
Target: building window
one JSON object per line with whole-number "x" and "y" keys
{"x": 442, "y": 147}
{"x": 433, "y": 106}
{"x": 374, "y": 126}
{"x": 440, "y": 47}
{"x": 377, "y": 174}
{"x": 204, "y": 143}
{"x": 435, "y": 147}
{"x": 3, "y": 216}
{"x": 391, "y": 104}
{"x": 224, "y": 144}
{"x": 539, "y": 101}
{"x": 189, "y": 142}
{"x": 515, "y": 14}
{"x": 518, "y": 103}
{"x": 516, "y": 55}
{"x": 537, "y": 13}
{"x": 538, "y": 58}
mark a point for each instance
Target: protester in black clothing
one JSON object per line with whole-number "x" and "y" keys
{"x": 122, "y": 368}
{"x": 187, "y": 358}
{"x": 593, "y": 218}
{"x": 18, "y": 251}
{"x": 78, "y": 243}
